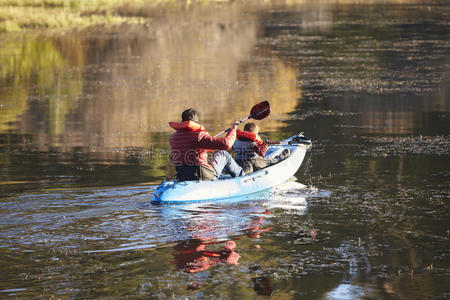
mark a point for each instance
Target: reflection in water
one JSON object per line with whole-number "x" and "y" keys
{"x": 403, "y": 115}
{"x": 356, "y": 78}
{"x": 346, "y": 291}
{"x": 132, "y": 85}
{"x": 194, "y": 256}
{"x": 208, "y": 229}
{"x": 35, "y": 89}
{"x": 91, "y": 103}
{"x": 256, "y": 225}
{"x": 262, "y": 286}
{"x": 206, "y": 248}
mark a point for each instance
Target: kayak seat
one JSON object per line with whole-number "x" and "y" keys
{"x": 188, "y": 173}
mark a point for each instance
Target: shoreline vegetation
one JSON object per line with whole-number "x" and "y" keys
{"x": 20, "y": 15}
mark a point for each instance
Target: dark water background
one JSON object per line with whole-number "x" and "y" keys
{"x": 84, "y": 141}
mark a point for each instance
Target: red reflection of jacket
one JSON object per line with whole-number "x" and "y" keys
{"x": 192, "y": 256}
{"x": 190, "y": 144}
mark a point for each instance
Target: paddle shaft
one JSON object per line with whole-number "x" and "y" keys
{"x": 278, "y": 143}
{"x": 258, "y": 112}
{"x": 286, "y": 144}
{"x": 240, "y": 122}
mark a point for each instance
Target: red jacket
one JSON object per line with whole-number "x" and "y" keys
{"x": 191, "y": 143}
{"x": 261, "y": 150}
{"x": 249, "y": 145}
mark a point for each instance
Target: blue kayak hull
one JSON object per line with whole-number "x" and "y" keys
{"x": 190, "y": 191}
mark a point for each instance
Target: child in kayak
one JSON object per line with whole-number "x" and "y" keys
{"x": 250, "y": 150}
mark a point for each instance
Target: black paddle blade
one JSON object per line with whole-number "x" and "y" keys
{"x": 260, "y": 110}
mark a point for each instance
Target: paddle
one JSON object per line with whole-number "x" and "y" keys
{"x": 288, "y": 143}
{"x": 300, "y": 139}
{"x": 258, "y": 112}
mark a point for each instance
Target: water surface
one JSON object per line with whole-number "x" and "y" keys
{"x": 84, "y": 141}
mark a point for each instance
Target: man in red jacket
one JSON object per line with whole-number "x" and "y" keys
{"x": 190, "y": 145}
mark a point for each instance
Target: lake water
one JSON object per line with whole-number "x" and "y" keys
{"x": 84, "y": 142}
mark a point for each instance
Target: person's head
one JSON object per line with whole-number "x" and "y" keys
{"x": 251, "y": 127}
{"x": 189, "y": 114}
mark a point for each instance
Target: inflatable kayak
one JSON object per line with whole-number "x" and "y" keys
{"x": 227, "y": 187}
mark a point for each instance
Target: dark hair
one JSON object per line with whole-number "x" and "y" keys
{"x": 250, "y": 126}
{"x": 189, "y": 114}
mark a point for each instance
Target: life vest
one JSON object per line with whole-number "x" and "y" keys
{"x": 190, "y": 145}
{"x": 187, "y": 125}
{"x": 250, "y": 136}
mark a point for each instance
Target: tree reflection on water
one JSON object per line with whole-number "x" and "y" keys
{"x": 368, "y": 82}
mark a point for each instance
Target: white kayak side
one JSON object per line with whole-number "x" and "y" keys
{"x": 189, "y": 191}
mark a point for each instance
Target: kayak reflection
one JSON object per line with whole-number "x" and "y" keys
{"x": 203, "y": 251}
{"x": 256, "y": 225}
